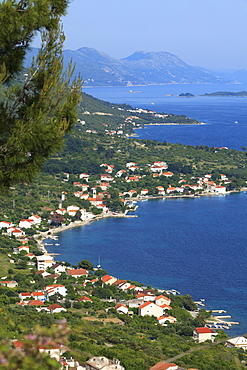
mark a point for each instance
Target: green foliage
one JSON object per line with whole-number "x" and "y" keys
{"x": 43, "y": 105}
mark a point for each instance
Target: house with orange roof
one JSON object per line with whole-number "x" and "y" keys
{"x": 202, "y": 334}
{"x": 168, "y": 174}
{"x": 161, "y": 190}
{"x": 171, "y": 189}
{"x": 164, "y": 319}
{"x": 30, "y": 255}
{"x": 56, "y": 308}
{"x": 161, "y": 299}
{"x": 55, "y": 288}
{"x": 76, "y": 273}
{"x": 9, "y": 283}
{"x": 163, "y": 366}
{"x": 84, "y": 176}
{"x": 36, "y": 219}
{"x": 85, "y": 299}
{"x": 26, "y": 224}
{"x": 39, "y": 295}
{"x": 35, "y": 302}
{"x": 144, "y": 191}
{"x": 220, "y": 189}
{"x": 17, "y": 233}
{"x": 121, "y": 284}
{"x": 4, "y": 224}
{"x": 121, "y": 308}
{"x": 24, "y": 296}
{"x": 108, "y": 279}
{"x": 150, "y": 309}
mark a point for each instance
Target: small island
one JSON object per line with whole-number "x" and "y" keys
{"x": 227, "y": 93}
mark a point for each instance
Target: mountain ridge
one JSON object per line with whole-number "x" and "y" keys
{"x": 140, "y": 68}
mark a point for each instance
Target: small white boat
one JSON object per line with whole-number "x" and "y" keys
{"x": 57, "y": 244}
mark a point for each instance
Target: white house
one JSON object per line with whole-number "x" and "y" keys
{"x": 5, "y": 224}
{"x": 56, "y": 308}
{"x": 161, "y": 300}
{"x": 150, "y": 309}
{"x": 164, "y": 319}
{"x": 36, "y": 219}
{"x": 202, "y": 334}
{"x": 237, "y": 342}
{"x": 55, "y": 288}
{"x": 121, "y": 308}
{"x": 84, "y": 176}
{"x": 220, "y": 189}
{"x": 26, "y": 224}
{"x": 44, "y": 261}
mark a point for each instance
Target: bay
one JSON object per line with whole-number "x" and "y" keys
{"x": 196, "y": 246}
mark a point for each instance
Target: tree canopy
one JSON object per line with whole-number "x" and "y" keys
{"x": 39, "y": 106}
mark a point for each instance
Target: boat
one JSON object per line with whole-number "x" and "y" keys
{"x": 57, "y": 244}
{"x": 236, "y": 122}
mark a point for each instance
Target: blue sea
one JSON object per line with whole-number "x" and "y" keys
{"x": 196, "y": 246}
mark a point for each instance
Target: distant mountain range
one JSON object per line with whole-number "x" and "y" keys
{"x": 141, "y": 68}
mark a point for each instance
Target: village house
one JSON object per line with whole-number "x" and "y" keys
{"x": 4, "y": 224}
{"x": 24, "y": 296}
{"x": 55, "y": 288}
{"x": 161, "y": 300}
{"x": 237, "y": 342}
{"x": 121, "y": 308}
{"x": 44, "y": 261}
{"x": 84, "y": 176}
{"x": 9, "y": 283}
{"x": 56, "y": 308}
{"x": 106, "y": 177}
{"x": 26, "y": 224}
{"x": 202, "y": 334}
{"x": 76, "y": 273}
{"x": 145, "y": 297}
{"x": 52, "y": 350}
{"x": 36, "y": 219}
{"x": 57, "y": 268}
{"x": 163, "y": 366}
{"x": 150, "y": 309}
{"x": 108, "y": 279}
{"x": 144, "y": 191}
{"x": 17, "y": 233}
{"x": 39, "y": 295}
{"x": 164, "y": 319}
{"x": 220, "y": 189}
{"x": 103, "y": 363}
{"x": 161, "y": 190}
{"x": 85, "y": 299}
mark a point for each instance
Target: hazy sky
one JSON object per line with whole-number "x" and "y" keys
{"x": 206, "y": 33}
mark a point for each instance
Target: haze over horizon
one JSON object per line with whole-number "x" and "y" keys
{"x": 205, "y": 33}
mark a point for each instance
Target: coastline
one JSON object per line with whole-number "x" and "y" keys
{"x": 170, "y": 124}
{"x": 42, "y": 235}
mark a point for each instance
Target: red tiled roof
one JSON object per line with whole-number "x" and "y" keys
{"x": 203, "y": 330}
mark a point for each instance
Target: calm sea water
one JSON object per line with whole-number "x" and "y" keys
{"x": 197, "y": 246}
{"x": 220, "y": 113}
